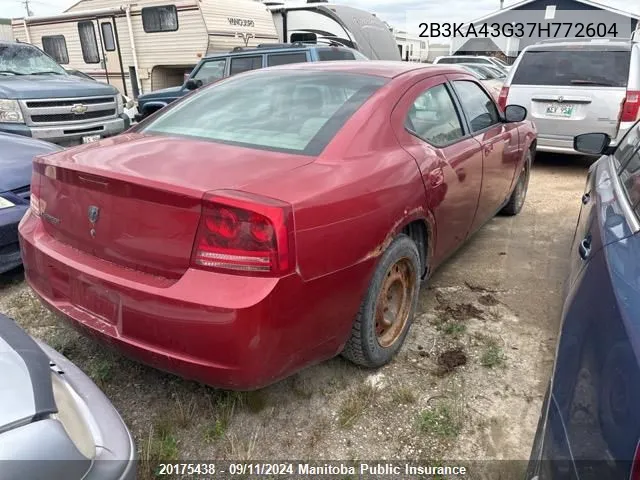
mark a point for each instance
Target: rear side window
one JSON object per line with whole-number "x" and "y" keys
{"x": 244, "y": 64}
{"x": 286, "y": 111}
{"x": 479, "y": 107}
{"x": 574, "y": 67}
{"x": 88, "y": 42}
{"x": 434, "y": 118}
{"x": 56, "y": 47}
{"x": 285, "y": 58}
{"x": 328, "y": 55}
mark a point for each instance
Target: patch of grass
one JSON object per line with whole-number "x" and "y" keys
{"x": 215, "y": 430}
{"x": 492, "y": 356}
{"x": 442, "y": 421}
{"x": 161, "y": 446}
{"x": 101, "y": 369}
{"x": 403, "y": 395}
{"x": 355, "y": 404}
{"x": 455, "y": 329}
{"x": 185, "y": 411}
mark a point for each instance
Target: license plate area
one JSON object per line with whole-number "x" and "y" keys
{"x": 90, "y": 138}
{"x": 562, "y": 110}
{"x": 95, "y": 301}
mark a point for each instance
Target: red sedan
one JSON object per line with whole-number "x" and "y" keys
{"x": 274, "y": 219}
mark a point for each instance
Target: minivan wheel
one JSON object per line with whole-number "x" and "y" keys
{"x": 519, "y": 194}
{"x": 384, "y": 318}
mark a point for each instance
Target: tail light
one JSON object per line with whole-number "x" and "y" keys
{"x": 502, "y": 98}
{"x": 635, "y": 466}
{"x": 630, "y": 106}
{"x": 243, "y": 233}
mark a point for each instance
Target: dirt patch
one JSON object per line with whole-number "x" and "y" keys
{"x": 458, "y": 312}
{"x": 449, "y": 360}
{"x": 488, "y": 300}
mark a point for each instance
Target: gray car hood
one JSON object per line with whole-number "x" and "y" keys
{"x": 26, "y": 393}
{"x": 51, "y": 86}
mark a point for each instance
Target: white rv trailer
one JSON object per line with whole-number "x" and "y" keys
{"x": 323, "y": 22}
{"x": 149, "y": 44}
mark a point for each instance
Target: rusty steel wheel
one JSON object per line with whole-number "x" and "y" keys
{"x": 393, "y": 306}
{"x": 386, "y": 312}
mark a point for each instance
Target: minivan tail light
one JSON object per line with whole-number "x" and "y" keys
{"x": 502, "y": 98}
{"x": 630, "y": 106}
{"x": 244, "y": 233}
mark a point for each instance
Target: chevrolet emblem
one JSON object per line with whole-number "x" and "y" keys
{"x": 79, "y": 109}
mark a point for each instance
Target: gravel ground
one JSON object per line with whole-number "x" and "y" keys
{"x": 467, "y": 385}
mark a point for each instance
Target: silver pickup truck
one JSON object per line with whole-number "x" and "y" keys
{"x": 39, "y": 99}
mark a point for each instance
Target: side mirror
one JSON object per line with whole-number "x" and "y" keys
{"x": 591, "y": 143}
{"x": 192, "y": 84}
{"x": 514, "y": 113}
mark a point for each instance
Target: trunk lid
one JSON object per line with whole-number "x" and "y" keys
{"x": 135, "y": 200}
{"x": 572, "y": 89}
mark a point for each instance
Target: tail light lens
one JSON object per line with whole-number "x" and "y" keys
{"x": 635, "y": 467}
{"x": 502, "y": 98}
{"x": 630, "y": 106}
{"x": 243, "y": 233}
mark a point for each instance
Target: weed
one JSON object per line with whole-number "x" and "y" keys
{"x": 355, "y": 404}
{"x": 161, "y": 446}
{"x": 441, "y": 421}
{"x": 101, "y": 370}
{"x": 455, "y": 329}
{"x": 403, "y": 395}
{"x": 215, "y": 431}
{"x": 492, "y": 356}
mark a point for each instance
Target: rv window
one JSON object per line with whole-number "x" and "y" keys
{"x": 244, "y": 64}
{"x": 107, "y": 36}
{"x": 285, "y": 58}
{"x": 88, "y": 42}
{"x": 56, "y": 46}
{"x": 160, "y": 19}
{"x": 330, "y": 54}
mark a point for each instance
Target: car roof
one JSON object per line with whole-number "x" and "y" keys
{"x": 276, "y": 48}
{"x": 571, "y": 43}
{"x": 379, "y": 68}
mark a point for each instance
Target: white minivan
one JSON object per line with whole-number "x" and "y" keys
{"x": 575, "y": 86}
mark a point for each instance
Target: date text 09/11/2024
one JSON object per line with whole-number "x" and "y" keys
{"x": 519, "y": 30}
{"x": 210, "y": 470}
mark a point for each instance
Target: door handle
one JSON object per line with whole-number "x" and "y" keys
{"x": 585, "y": 198}
{"x": 585, "y": 248}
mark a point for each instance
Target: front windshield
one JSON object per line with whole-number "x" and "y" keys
{"x": 21, "y": 59}
{"x": 281, "y": 110}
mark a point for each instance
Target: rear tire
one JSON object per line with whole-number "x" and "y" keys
{"x": 519, "y": 194}
{"x": 386, "y": 314}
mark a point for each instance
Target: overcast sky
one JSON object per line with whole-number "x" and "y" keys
{"x": 393, "y": 11}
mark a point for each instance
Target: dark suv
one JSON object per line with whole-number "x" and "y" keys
{"x": 218, "y": 66}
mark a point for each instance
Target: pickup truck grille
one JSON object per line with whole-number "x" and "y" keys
{"x": 72, "y": 117}
{"x": 69, "y": 111}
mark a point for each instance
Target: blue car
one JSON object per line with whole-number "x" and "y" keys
{"x": 16, "y": 154}
{"x": 590, "y": 422}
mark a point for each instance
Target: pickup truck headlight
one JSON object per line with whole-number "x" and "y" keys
{"x": 10, "y": 111}
{"x": 119, "y": 104}
{"x": 71, "y": 418}
{"x": 4, "y": 203}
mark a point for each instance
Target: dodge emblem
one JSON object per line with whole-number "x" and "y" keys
{"x": 93, "y": 214}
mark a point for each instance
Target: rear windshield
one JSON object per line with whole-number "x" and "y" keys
{"x": 606, "y": 68}
{"x": 280, "y": 110}
{"x": 328, "y": 55}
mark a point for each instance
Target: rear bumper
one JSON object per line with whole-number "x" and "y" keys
{"x": 227, "y": 331}
{"x": 116, "y": 453}
{"x": 71, "y": 134}
{"x": 9, "y": 248}
{"x": 563, "y": 144}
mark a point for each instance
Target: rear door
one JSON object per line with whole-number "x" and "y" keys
{"x": 572, "y": 90}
